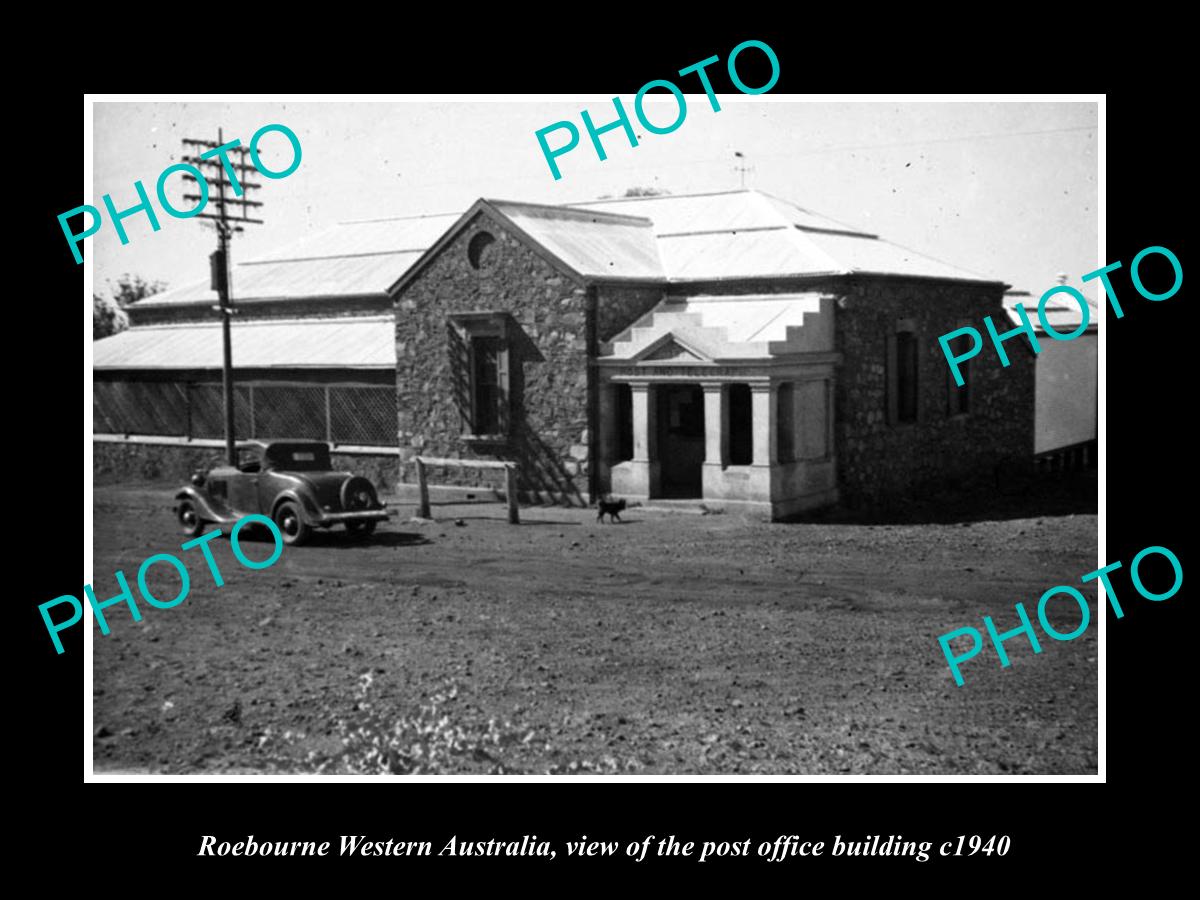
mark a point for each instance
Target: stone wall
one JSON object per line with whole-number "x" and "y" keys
{"x": 618, "y": 306}
{"x": 882, "y": 463}
{"x": 124, "y": 461}
{"x": 116, "y": 462}
{"x": 548, "y": 369}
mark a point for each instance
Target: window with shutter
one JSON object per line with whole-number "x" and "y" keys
{"x": 903, "y": 365}
{"x": 481, "y": 373}
{"x": 958, "y": 399}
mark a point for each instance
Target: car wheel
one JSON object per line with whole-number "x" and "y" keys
{"x": 190, "y": 522}
{"x": 291, "y": 523}
{"x": 360, "y": 529}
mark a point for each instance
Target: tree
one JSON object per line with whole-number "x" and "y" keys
{"x": 645, "y": 192}
{"x": 107, "y": 317}
{"x": 108, "y": 313}
{"x": 636, "y": 191}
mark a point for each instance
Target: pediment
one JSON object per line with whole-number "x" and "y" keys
{"x": 669, "y": 348}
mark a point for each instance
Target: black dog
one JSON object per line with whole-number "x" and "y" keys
{"x": 612, "y": 509}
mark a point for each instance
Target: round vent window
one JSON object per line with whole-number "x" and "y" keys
{"x": 477, "y": 249}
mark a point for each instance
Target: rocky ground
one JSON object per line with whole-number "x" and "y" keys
{"x": 671, "y": 643}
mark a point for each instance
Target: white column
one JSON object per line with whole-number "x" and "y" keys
{"x": 716, "y": 424}
{"x": 645, "y": 424}
{"x": 639, "y": 477}
{"x": 766, "y": 446}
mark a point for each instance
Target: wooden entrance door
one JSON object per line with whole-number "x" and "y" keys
{"x": 680, "y": 439}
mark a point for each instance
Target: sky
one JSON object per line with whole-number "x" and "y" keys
{"x": 1004, "y": 189}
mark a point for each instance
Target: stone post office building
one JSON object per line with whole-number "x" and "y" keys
{"x": 727, "y": 348}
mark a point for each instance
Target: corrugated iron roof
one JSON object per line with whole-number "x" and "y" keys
{"x": 355, "y": 238}
{"x": 875, "y": 256}
{"x": 720, "y": 211}
{"x": 737, "y": 234}
{"x": 742, "y": 234}
{"x": 742, "y": 254}
{"x": 591, "y": 242}
{"x": 807, "y": 219}
{"x": 352, "y": 342}
{"x": 349, "y": 259}
{"x": 692, "y": 213}
{"x": 338, "y": 276}
{"x": 1062, "y": 313}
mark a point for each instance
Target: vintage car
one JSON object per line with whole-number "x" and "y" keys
{"x": 290, "y": 481}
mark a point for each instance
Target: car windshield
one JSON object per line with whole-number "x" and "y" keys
{"x": 298, "y": 457}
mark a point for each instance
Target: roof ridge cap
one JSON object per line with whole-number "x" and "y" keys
{"x": 565, "y": 208}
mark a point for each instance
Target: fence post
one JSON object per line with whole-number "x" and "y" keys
{"x": 510, "y": 488}
{"x": 423, "y": 490}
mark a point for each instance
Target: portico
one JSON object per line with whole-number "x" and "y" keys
{"x": 724, "y": 399}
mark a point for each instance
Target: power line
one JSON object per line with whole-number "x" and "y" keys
{"x": 946, "y": 140}
{"x": 226, "y": 223}
{"x": 710, "y": 161}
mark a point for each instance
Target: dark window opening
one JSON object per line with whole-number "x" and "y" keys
{"x": 959, "y": 398}
{"x": 487, "y": 386}
{"x": 477, "y": 248}
{"x": 741, "y": 425}
{"x": 906, "y": 376}
{"x": 481, "y": 351}
{"x": 288, "y": 457}
{"x": 624, "y": 422}
{"x": 786, "y": 423}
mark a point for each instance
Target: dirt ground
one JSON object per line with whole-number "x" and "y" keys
{"x": 671, "y": 643}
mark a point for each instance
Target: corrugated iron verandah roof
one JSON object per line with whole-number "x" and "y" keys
{"x": 363, "y": 342}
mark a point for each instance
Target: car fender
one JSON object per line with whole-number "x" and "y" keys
{"x": 303, "y": 502}
{"x": 204, "y": 506}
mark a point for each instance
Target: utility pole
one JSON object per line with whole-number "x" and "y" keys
{"x": 226, "y": 224}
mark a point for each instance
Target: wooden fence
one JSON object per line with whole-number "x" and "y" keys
{"x": 510, "y": 481}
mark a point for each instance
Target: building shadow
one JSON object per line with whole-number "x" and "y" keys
{"x": 541, "y": 475}
{"x": 540, "y": 471}
{"x": 378, "y": 539}
{"x": 502, "y": 518}
{"x": 338, "y": 537}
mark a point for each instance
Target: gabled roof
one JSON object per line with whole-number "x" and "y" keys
{"x": 583, "y": 244}
{"x": 593, "y": 243}
{"x": 688, "y": 237}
